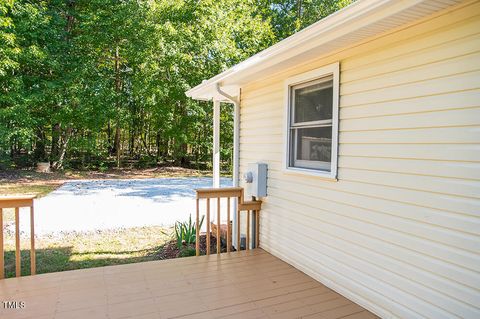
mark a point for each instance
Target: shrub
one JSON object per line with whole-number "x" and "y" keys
{"x": 185, "y": 233}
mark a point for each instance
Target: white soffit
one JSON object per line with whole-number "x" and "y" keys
{"x": 359, "y": 21}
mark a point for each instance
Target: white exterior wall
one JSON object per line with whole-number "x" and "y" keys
{"x": 399, "y": 232}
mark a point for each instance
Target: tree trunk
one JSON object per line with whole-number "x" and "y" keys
{"x": 298, "y": 25}
{"x": 54, "y": 153}
{"x": 117, "y": 104}
{"x": 39, "y": 152}
{"x": 299, "y": 9}
{"x": 63, "y": 149}
{"x": 145, "y": 144}
{"x": 157, "y": 143}
{"x": 59, "y": 142}
{"x": 132, "y": 140}
{"x": 183, "y": 156}
{"x": 109, "y": 139}
{"x": 117, "y": 145}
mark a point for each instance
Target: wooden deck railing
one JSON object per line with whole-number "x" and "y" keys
{"x": 16, "y": 202}
{"x": 235, "y": 193}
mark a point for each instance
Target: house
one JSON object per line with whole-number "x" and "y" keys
{"x": 369, "y": 122}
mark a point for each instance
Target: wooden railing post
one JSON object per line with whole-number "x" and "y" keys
{"x": 208, "y": 226}
{"x": 257, "y": 228}
{"x": 229, "y": 240}
{"x": 239, "y": 239}
{"x": 251, "y": 207}
{"x": 18, "y": 268}
{"x": 247, "y": 243}
{"x": 2, "y": 263}
{"x": 16, "y": 202}
{"x": 219, "y": 246}
{"x": 197, "y": 230}
{"x": 33, "y": 262}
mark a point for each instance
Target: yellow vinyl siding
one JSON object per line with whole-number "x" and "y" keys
{"x": 399, "y": 232}
{"x": 443, "y": 101}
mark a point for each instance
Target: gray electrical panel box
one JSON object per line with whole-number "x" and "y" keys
{"x": 256, "y": 180}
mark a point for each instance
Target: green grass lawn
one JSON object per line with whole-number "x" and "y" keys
{"x": 38, "y": 189}
{"x": 88, "y": 249}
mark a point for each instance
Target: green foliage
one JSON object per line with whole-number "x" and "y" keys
{"x": 290, "y": 16}
{"x": 186, "y": 232}
{"x": 96, "y": 81}
{"x": 8, "y": 46}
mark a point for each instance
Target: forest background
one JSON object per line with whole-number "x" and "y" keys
{"x": 96, "y": 84}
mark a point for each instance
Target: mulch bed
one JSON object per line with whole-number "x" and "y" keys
{"x": 170, "y": 250}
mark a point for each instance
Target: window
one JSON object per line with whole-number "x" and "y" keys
{"x": 312, "y": 122}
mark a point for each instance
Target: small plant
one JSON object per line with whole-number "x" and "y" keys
{"x": 185, "y": 233}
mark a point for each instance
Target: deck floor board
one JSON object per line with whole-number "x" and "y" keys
{"x": 247, "y": 284}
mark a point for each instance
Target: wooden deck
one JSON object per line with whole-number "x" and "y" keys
{"x": 247, "y": 284}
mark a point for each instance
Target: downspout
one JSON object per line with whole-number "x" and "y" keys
{"x": 236, "y": 153}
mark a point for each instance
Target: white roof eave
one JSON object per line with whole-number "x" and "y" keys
{"x": 361, "y": 20}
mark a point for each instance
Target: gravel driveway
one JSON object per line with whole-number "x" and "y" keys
{"x": 106, "y": 204}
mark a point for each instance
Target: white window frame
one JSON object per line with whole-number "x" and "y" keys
{"x": 333, "y": 70}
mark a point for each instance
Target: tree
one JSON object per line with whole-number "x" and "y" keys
{"x": 290, "y": 16}
{"x": 92, "y": 83}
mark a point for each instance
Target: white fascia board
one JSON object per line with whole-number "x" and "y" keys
{"x": 319, "y": 38}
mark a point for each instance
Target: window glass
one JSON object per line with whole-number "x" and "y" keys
{"x": 314, "y": 144}
{"x": 311, "y": 146}
{"x": 313, "y": 102}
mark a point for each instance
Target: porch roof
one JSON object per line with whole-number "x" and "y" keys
{"x": 353, "y": 24}
{"x": 246, "y": 284}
